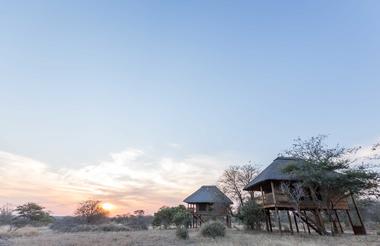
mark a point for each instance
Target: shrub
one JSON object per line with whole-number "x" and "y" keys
{"x": 181, "y": 218}
{"x": 213, "y": 229}
{"x": 251, "y": 215}
{"x": 112, "y": 227}
{"x": 138, "y": 221}
{"x": 65, "y": 224}
{"x": 74, "y": 224}
{"x": 182, "y": 232}
{"x": 167, "y": 216}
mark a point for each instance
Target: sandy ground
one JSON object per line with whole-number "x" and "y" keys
{"x": 45, "y": 237}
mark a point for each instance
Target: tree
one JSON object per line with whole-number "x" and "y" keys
{"x": 31, "y": 213}
{"x": 252, "y": 215}
{"x": 330, "y": 173}
{"x": 167, "y": 216}
{"x": 6, "y": 215}
{"x": 235, "y": 178}
{"x": 296, "y": 193}
{"x": 91, "y": 211}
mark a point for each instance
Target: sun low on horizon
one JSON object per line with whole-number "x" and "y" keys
{"x": 107, "y": 206}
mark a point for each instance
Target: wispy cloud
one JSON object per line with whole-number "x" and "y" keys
{"x": 132, "y": 179}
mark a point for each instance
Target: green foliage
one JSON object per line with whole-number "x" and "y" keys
{"x": 167, "y": 216}
{"x": 329, "y": 171}
{"x": 251, "y": 215}
{"x": 213, "y": 229}
{"x": 181, "y": 218}
{"x": 31, "y": 214}
{"x": 182, "y": 232}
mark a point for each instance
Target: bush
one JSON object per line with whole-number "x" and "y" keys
{"x": 181, "y": 218}
{"x": 213, "y": 229}
{"x": 74, "y": 224}
{"x": 138, "y": 221}
{"x": 251, "y": 215}
{"x": 168, "y": 216}
{"x": 182, "y": 232}
{"x": 65, "y": 224}
{"x": 112, "y": 227}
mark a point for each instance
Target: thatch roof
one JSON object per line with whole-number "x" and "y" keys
{"x": 208, "y": 194}
{"x": 275, "y": 172}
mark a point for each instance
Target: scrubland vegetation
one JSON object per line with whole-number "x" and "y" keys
{"x": 31, "y": 224}
{"x": 167, "y": 237}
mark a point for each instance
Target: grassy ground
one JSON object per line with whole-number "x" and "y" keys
{"x": 44, "y": 237}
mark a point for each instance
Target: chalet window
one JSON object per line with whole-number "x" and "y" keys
{"x": 202, "y": 207}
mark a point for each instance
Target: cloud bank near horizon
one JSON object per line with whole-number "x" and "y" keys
{"x": 130, "y": 179}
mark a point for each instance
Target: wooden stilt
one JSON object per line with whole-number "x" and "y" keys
{"x": 295, "y": 222}
{"x": 359, "y": 216}
{"x": 266, "y": 220}
{"x": 263, "y": 201}
{"x": 349, "y": 219}
{"x": 262, "y": 195}
{"x": 303, "y": 225}
{"x": 290, "y": 221}
{"x": 275, "y": 206}
{"x": 270, "y": 221}
{"x": 307, "y": 224}
{"x": 337, "y": 218}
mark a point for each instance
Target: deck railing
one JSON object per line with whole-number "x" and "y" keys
{"x": 285, "y": 200}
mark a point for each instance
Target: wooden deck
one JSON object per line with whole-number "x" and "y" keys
{"x": 283, "y": 201}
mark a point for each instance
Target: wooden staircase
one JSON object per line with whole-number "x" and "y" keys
{"x": 316, "y": 226}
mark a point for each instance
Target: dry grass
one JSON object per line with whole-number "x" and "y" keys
{"x": 27, "y": 231}
{"x": 167, "y": 237}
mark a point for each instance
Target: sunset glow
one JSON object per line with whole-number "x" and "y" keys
{"x": 108, "y": 206}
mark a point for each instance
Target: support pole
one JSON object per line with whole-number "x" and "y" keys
{"x": 262, "y": 195}
{"x": 270, "y": 221}
{"x": 359, "y": 216}
{"x": 290, "y": 221}
{"x": 307, "y": 223}
{"x": 337, "y": 218}
{"x": 263, "y": 201}
{"x": 349, "y": 219}
{"x": 295, "y": 222}
{"x": 275, "y": 206}
{"x": 266, "y": 220}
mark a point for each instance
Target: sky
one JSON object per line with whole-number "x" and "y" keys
{"x": 139, "y": 103}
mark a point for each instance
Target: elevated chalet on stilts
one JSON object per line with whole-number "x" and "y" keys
{"x": 208, "y": 202}
{"x": 308, "y": 212}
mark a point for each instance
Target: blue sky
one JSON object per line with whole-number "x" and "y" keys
{"x": 232, "y": 80}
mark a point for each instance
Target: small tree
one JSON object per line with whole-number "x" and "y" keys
{"x": 31, "y": 213}
{"x": 6, "y": 215}
{"x": 91, "y": 211}
{"x": 252, "y": 215}
{"x": 235, "y": 178}
{"x": 296, "y": 193}
{"x": 329, "y": 173}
